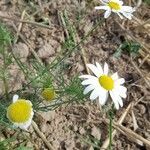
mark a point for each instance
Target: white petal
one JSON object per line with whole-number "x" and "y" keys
{"x": 99, "y": 67}
{"x": 88, "y": 89}
{"x": 115, "y": 76}
{"x": 106, "y": 69}
{"x": 15, "y": 98}
{"x": 119, "y": 15}
{"x": 121, "y": 3}
{"x": 94, "y": 94}
{"x": 127, "y": 9}
{"x": 107, "y": 13}
{"x": 123, "y": 95}
{"x": 119, "y": 100}
{"x": 117, "y": 97}
{"x": 119, "y": 81}
{"x": 103, "y": 96}
{"x": 122, "y": 91}
{"x": 127, "y": 15}
{"x": 25, "y": 125}
{"x": 102, "y": 7}
{"x": 114, "y": 99}
{"x": 89, "y": 81}
{"x": 94, "y": 69}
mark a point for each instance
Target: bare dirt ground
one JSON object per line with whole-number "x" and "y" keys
{"x": 81, "y": 126}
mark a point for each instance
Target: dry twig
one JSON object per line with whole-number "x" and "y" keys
{"x": 83, "y": 54}
{"x": 141, "y": 74}
{"x": 138, "y": 4}
{"x": 143, "y": 61}
{"x": 20, "y": 25}
{"x": 76, "y": 40}
{"x": 129, "y": 133}
{"x": 25, "y": 21}
{"x": 42, "y": 136}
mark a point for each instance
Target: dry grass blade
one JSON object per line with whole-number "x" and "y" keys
{"x": 40, "y": 4}
{"x": 42, "y": 136}
{"x": 83, "y": 54}
{"x": 20, "y": 25}
{"x": 121, "y": 119}
{"x": 143, "y": 61}
{"x": 76, "y": 40}
{"x": 138, "y": 4}
{"x": 141, "y": 74}
{"x": 129, "y": 133}
{"x": 25, "y": 21}
{"x": 135, "y": 125}
{"x": 141, "y": 24}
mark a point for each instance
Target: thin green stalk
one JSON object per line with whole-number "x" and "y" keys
{"x": 4, "y": 71}
{"x": 76, "y": 46}
{"x": 19, "y": 63}
{"x": 53, "y": 64}
{"x": 110, "y": 131}
{"x": 5, "y": 87}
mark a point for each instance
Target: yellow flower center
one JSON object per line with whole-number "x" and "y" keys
{"x": 20, "y": 111}
{"x": 114, "y": 5}
{"x": 48, "y": 94}
{"x": 106, "y": 82}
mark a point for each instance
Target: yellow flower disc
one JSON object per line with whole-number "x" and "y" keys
{"x": 106, "y": 82}
{"x": 20, "y": 111}
{"x": 114, "y": 5}
{"x": 48, "y": 94}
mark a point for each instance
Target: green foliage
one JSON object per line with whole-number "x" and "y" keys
{"x": 128, "y": 46}
{"x": 90, "y": 140}
{"x": 132, "y": 47}
{"x": 2, "y": 112}
{"x": 23, "y": 148}
{"x": 69, "y": 41}
{"x": 6, "y": 144}
{"x": 5, "y": 37}
{"x": 147, "y": 2}
{"x": 5, "y": 40}
{"x": 75, "y": 88}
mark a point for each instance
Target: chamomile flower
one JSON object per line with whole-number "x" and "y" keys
{"x": 20, "y": 112}
{"x": 48, "y": 94}
{"x": 117, "y": 7}
{"x": 103, "y": 84}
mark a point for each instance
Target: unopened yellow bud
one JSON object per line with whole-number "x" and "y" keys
{"x": 48, "y": 94}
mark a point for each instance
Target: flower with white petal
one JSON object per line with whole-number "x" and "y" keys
{"x": 117, "y": 7}
{"x": 102, "y": 84}
{"x": 20, "y": 112}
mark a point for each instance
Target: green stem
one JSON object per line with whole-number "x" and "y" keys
{"x": 76, "y": 46}
{"x": 111, "y": 115}
{"x": 4, "y": 71}
{"x": 5, "y": 87}
{"x": 110, "y": 133}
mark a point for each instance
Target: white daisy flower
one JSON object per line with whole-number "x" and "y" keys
{"x": 20, "y": 112}
{"x": 102, "y": 84}
{"x": 117, "y": 7}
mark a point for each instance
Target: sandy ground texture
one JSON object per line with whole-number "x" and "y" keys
{"x": 81, "y": 126}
